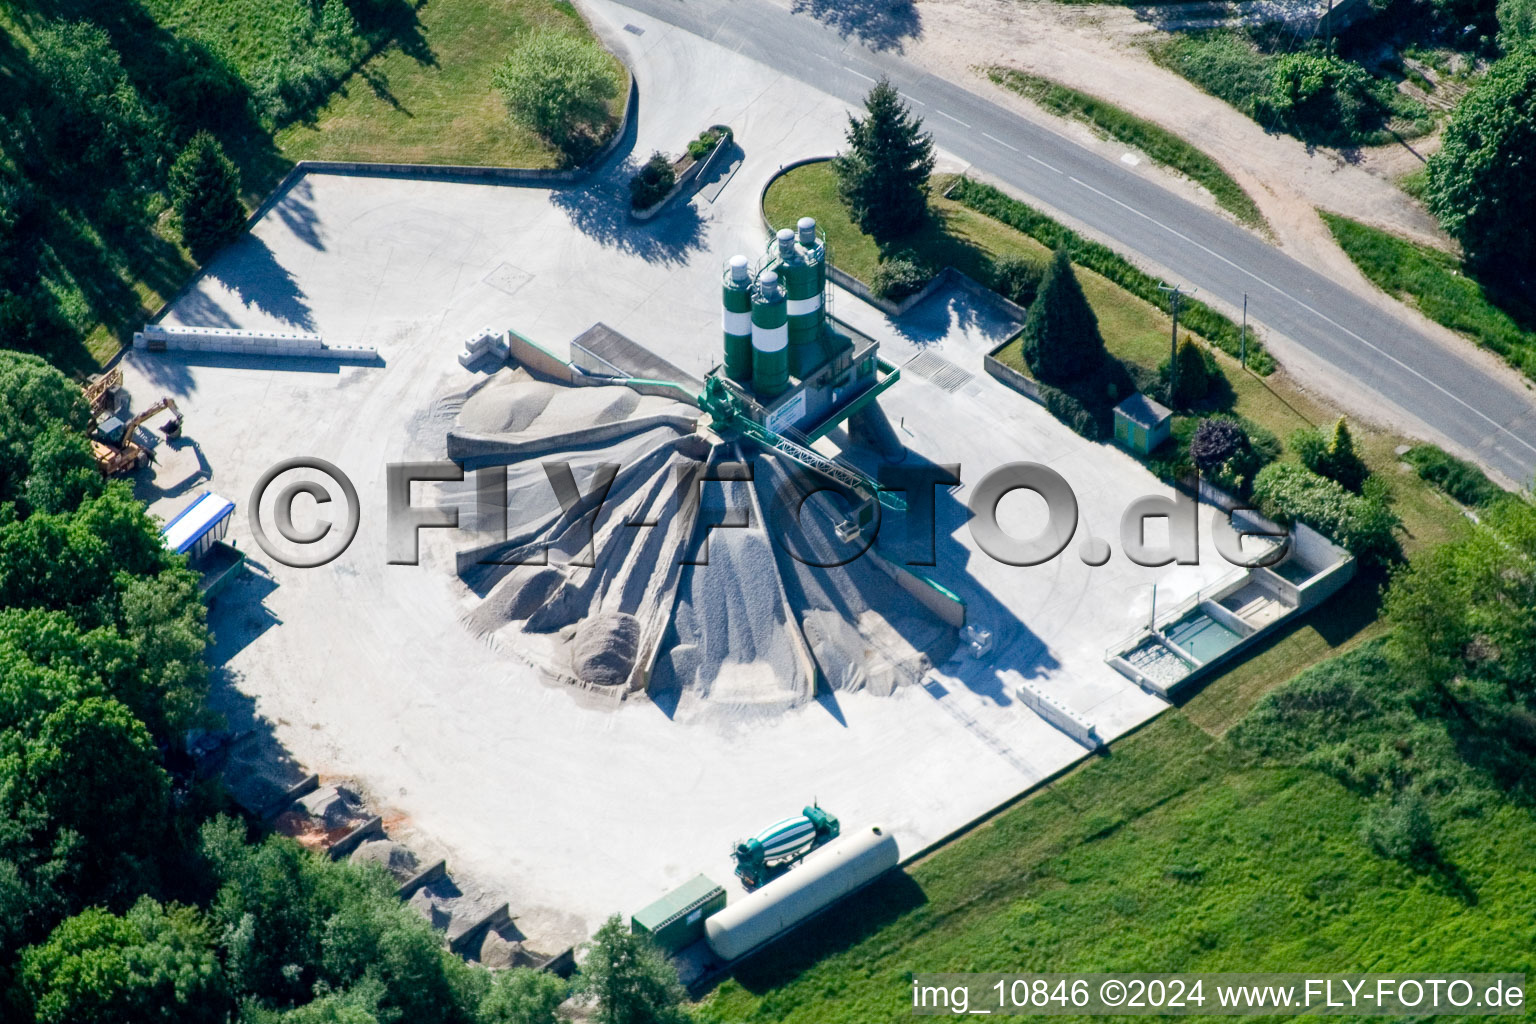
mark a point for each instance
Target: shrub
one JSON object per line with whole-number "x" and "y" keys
{"x": 1456, "y": 477}
{"x": 1071, "y": 411}
{"x": 1017, "y": 279}
{"x": 899, "y": 276}
{"x": 1363, "y": 524}
{"x": 1223, "y": 63}
{"x": 1229, "y": 451}
{"x": 652, "y": 182}
{"x": 1332, "y": 456}
{"x": 1400, "y": 828}
{"x": 1061, "y": 339}
{"x": 554, "y": 82}
{"x": 1216, "y": 442}
{"x": 205, "y": 192}
{"x": 1321, "y": 97}
{"x": 699, "y": 148}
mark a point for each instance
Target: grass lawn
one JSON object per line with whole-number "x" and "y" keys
{"x": 1159, "y": 144}
{"x": 429, "y": 99}
{"x": 1170, "y": 854}
{"x": 1437, "y": 285}
{"x": 954, "y": 236}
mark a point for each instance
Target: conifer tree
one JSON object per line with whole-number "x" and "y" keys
{"x": 205, "y": 190}
{"x": 883, "y": 177}
{"x": 1061, "y": 337}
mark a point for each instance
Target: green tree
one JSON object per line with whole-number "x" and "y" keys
{"x": 205, "y": 190}
{"x": 1517, "y": 23}
{"x": 1343, "y": 463}
{"x": 155, "y": 964}
{"x": 652, "y": 182}
{"x": 34, "y": 398}
{"x": 629, "y": 978}
{"x": 1061, "y": 339}
{"x": 62, "y": 471}
{"x": 882, "y": 178}
{"x": 163, "y": 620}
{"x": 1331, "y": 455}
{"x": 91, "y": 771}
{"x": 90, "y": 112}
{"x": 271, "y": 906}
{"x": 1464, "y": 615}
{"x": 1480, "y": 180}
{"x": 554, "y": 82}
{"x": 523, "y": 996}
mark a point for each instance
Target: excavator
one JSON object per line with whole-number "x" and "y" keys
{"x": 117, "y": 452}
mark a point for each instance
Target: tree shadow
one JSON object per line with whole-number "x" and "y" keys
{"x": 958, "y": 307}
{"x": 250, "y": 270}
{"x": 878, "y": 24}
{"x": 296, "y": 209}
{"x": 1446, "y": 876}
{"x": 600, "y": 210}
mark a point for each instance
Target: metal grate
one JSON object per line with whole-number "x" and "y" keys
{"x": 939, "y": 370}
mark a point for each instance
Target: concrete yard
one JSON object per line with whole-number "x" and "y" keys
{"x": 571, "y": 806}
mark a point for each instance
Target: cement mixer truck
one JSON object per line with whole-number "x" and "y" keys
{"x": 781, "y": 844}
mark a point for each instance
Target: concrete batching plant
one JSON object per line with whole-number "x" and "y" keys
{"x": 794, "y": 369}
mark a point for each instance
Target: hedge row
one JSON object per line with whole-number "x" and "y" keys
{"x": 1460, "y": 479}
{"x": 1193, "y": 314}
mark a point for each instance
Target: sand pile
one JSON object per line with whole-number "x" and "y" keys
{"x": 604, "y": 647}
{"x": 513, "y": 413}
{"x": 515, "y": 403}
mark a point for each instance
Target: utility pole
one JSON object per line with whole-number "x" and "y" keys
{"x": 1242, "y": 345}
{"x": 1175, "y": 293}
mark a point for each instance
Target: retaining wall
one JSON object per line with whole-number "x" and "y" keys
{"x": 1059, "y": 715}
{"x": 1012, "y": 378}
{"x": 175, "y": 337}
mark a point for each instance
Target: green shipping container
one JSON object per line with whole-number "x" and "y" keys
{"x": 677, "y": 919}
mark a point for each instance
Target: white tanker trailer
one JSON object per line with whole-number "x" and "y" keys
{"x": 826, "y": 876}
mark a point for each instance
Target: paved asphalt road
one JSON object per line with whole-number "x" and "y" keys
{"x": 1493, "y": 419}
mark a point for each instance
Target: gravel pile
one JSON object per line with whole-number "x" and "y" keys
{"x": 731, "y": 624}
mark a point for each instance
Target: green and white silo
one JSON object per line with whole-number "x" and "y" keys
{"x": 815, "y": 252}
{"x": 770, "y": 336}
{"x": 736, "y": 319}
{"x": 800, "y": 269}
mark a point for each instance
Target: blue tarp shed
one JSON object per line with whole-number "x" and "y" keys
{"x": 199, "y": 526}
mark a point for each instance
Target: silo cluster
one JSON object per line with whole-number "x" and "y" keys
{"x": 774, "y": 320}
